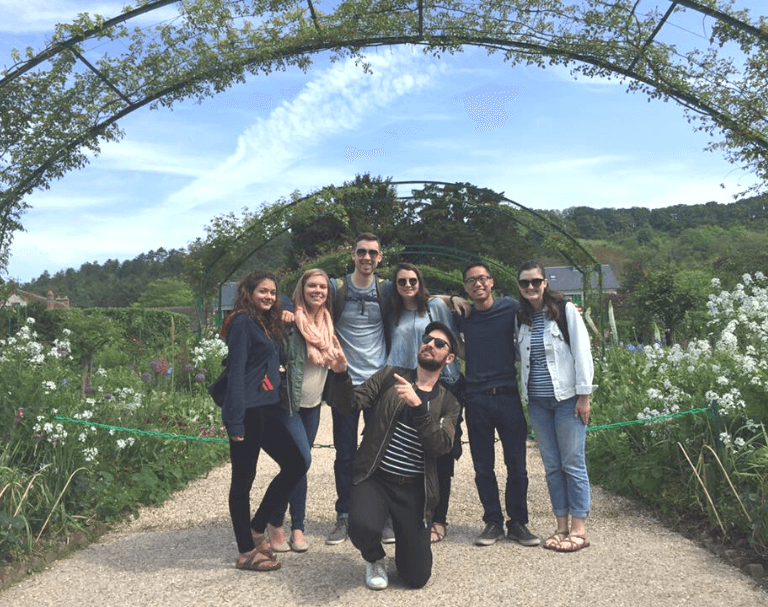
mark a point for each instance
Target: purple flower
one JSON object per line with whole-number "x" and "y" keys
{"x": 146, "y": 378}
{"x": 154, "y": 366}
{"x": 107, "y": 396}
{"x": 89, "y": 390}
{"x": 200, "y": 377}
{"x": 188, "y": 368}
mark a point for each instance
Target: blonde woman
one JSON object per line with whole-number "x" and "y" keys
{"x": 312, "y": 349}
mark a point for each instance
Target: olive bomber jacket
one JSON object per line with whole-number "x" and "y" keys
{"x": 435, "y": 423}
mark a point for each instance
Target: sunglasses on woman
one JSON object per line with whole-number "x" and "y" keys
{"x": 439, "y": 343}
{"x": 405, "y": 281}
{"x": 535, "y": 282}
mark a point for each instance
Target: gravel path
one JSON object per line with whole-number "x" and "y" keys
{"x": 183, "y": 553}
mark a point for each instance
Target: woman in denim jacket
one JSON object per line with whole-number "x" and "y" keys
{"x": 556, "y": 379}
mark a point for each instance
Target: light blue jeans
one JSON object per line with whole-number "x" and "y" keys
{"x": 562, "y": 437}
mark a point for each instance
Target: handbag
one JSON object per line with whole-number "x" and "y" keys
{"x": 218, "y": 389}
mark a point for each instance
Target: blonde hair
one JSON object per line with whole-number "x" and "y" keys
{"x": 298, "y": 292}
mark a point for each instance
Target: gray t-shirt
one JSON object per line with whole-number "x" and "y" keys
{"x": 361, "y": 333}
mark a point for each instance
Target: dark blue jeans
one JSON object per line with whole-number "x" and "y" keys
{"x": 303, "y": 426}
{"x": 345, "y": 430}
{"x": 503, "y": 413}
{"x": 264, "y": 429}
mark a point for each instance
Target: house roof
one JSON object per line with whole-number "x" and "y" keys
{"x": 228, "y": 294}
{"x": 568, "y": 278}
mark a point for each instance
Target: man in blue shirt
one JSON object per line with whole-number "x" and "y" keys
{"x": 493, "y": 405}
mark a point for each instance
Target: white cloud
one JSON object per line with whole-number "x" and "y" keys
{"x": 156, "y": 157}
{"x": 334, "y": 102}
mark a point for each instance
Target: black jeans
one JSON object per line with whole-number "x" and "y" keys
{"x": 263, "y": 430}
{"x": 371, "y": 502}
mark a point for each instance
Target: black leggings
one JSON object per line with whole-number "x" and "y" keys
{"x": 263, "y": 430}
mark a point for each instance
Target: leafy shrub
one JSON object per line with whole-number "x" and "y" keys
{"x": 715, "y": 461}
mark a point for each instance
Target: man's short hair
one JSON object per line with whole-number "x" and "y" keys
{"x": 439, "y": 326}
{"x": 367, "y": 236}
{"x": 476, "y": 264}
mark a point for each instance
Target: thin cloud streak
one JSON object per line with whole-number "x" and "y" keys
{"x": 336, "y": 101}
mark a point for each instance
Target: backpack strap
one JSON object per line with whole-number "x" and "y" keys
{"x": 562, "y": 322}
{"x": 383, "y": 289}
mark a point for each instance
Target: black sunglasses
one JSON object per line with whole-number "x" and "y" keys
{"x": 439, "y": 343}
{"x": 404, "y": 281}
{"x": 364, "y": 252}
{"x": 536, "y": 282}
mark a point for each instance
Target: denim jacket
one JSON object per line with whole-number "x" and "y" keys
{"x": 571, "y": 368}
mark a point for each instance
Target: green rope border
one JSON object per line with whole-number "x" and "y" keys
{"x": 208, "y": 439}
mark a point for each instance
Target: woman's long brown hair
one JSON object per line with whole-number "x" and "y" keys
{"x": 396, "y": 301}
{"x": 271, "y": 320}
{"x": 552, "y": 298}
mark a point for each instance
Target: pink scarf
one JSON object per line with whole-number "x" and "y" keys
{"x": 323, "y": 347}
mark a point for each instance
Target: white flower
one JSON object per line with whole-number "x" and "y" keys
{"x": 90, "y": 453}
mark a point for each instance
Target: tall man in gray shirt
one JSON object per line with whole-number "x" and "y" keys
{"x": 360, "y": 326}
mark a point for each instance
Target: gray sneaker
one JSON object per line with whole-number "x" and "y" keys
{"x": 376, "y": 575}
{"x": 339, "y": 533}
{"x": 388, "y": 534}
{"x": 490, "y": 535}
{"x": 520, "y": 534}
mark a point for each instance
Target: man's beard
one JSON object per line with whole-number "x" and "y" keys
{"x": 429, "y": 364}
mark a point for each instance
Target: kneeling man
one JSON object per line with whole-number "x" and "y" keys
{"x": 412, "y": 422}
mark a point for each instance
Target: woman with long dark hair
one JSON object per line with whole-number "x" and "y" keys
{"x": 313, "y": 349}
{"x": 556, "y": 377}
{"x": 412, "y": 308}
{"x": 252, "y": 415}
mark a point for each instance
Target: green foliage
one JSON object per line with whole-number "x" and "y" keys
{"x": 112, "y": 284}
{"x": 167, "y": 292}
{"x": 58, "y": 475}
{"x": 680, "y": 463}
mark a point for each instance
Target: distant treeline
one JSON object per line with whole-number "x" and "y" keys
{"x": 721, "y": 239}
{"x": 752, "y": 213}
{"x": 111, "y": 285}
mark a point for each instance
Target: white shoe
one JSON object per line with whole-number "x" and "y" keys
{"x": 376, "y": 575}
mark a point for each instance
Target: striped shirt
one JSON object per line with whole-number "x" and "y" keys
{"x": 539, "y": 380}
{"x": 405, "y": 455}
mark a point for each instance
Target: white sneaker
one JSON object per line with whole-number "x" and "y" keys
{"x": 376, "y": 575}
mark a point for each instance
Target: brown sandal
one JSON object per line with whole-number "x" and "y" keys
{"x": 257, "y": 561}
{"x": 573, "y": 543}
{"x": 554, "y": 540}
{"x": 438, "y": 532}
{"x": 262, "y": 544}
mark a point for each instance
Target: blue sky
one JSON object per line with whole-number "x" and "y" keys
{"x": 547, "y": 141}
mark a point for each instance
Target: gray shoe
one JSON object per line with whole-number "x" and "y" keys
{"x": 520, "y": 534}
{"x": 339, "y": 533}
{"x": 376, "y": 575}
{"x": 490, "y": 535}
{"x": 388, "y": 534}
